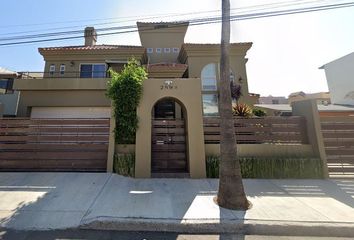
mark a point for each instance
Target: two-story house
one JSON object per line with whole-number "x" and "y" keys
{"x": 182, "y": 86}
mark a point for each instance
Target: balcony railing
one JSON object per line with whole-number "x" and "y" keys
{"x": 65, "y": 74}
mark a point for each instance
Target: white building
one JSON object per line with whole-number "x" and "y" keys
{"x": 340, "y": 79}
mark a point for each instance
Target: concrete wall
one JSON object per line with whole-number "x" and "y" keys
{"x": 58, "y": 98}
{"x": 340, "y": 75}
{"x": 188, "y": 93}
{"x": 308, "y": 109}
{"x": 10, "y": 103}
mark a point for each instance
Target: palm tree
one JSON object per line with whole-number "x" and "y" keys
{"x": 231, "y": 193}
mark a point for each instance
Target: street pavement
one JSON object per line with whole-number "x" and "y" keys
{"x": 102, "y": 201}
{"x": 114, "y": 235}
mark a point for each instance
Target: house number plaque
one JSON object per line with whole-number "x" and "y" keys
{"x": 168, "y": 85}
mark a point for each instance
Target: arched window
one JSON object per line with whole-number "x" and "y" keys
{"x": 208, "y": 76}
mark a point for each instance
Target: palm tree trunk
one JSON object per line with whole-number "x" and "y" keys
{"x": 231, "y": 192}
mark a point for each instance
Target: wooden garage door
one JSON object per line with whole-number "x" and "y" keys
{"x": 53, "y": 144}
{"x": 168, "y": 153}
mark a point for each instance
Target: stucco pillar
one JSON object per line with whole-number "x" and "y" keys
{"x": 111, "y": 143}
{"x": 187, "y": 92}
{"x": 309, "y": 110}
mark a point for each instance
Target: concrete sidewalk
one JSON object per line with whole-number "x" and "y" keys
{"x": 40, "y": 201}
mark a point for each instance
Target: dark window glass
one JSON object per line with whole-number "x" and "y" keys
{"x": 99, "y": 71}
{"x": 86, "y": 71}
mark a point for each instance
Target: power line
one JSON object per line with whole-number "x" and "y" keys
{"x": 203, "y": 21}
{"x": 134, "y": 18}
{"x": 75, "y": 32}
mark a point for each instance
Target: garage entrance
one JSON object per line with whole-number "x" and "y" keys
{"x": 54, "y": 144}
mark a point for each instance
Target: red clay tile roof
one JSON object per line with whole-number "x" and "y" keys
{"x": 94, "y": 47}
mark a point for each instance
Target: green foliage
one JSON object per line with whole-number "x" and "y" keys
{"x": 125, "y": 89}
{"x": 242, "y": 110}
{"x": 124, "y": 164}
{"x": 281, "y": 167}
{"x": 259, "y": 112}
{"x": 236, "y": 92}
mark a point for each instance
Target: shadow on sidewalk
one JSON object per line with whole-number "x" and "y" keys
{"x": 341, "y": 190}
{"x": 40, "y": 201}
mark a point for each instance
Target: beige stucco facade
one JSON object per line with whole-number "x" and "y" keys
{"x": 168, "y": 60}
{"x": 188, "y": 93}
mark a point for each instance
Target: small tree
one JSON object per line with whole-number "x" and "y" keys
{"x": 236, "y": 92}
{"x": 125, "y": 89}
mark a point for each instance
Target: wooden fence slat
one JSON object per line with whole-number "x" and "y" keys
{"x": 89, "y": 147}
{"x": 53, "y": 144}
{"x": 52, "y": 155}
{"x": 261, "y": 130}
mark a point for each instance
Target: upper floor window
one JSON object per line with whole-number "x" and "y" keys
{"x": 209, "y": 77}
{"x": 6, "y": 85}
{"x": 149, "y": 50}
{"x": 167, "y": 50}
{"x": 93, "y": 70}
{"x": 51, "y": 69}
{"x": 158, "y": 50}
{"x": 62, "y": 69}
{"x": 175, "y": 50}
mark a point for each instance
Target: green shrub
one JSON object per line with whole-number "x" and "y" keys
{"x": 259, "y": 112}
{"x": 124, "y": 164}
{"x": 125, "y": 90}
{"x": 281, "y": 167}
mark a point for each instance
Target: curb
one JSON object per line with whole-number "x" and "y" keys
{"x": 248, "y": 227}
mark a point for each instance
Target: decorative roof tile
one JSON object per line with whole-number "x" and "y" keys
{"x": 94, "y": 47}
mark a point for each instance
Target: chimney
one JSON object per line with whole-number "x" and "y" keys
{"x": 90, "y": 36}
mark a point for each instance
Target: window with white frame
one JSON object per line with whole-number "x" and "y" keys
{"x": 62, "y": 69}
{"x": 158, "y": 50}
{"x": 167, "y": 50}
{"x": 175, "y": 50}
{"x": 209, "y": 89}
{"x": 209, "y": 77}
{"x": 93, "y": 70}
{"x": 52, "y": 69}
{"x": 149, "y": 50}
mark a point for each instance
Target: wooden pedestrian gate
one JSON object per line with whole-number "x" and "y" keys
{"x": 338, "y": 136}
{"x": 53, "y": 144}
{"x": 168, "y": 153}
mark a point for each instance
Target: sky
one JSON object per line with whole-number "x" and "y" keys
{"x": 285, "y": 57}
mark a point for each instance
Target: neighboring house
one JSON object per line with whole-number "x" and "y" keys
{"x": 340, "y": 79}
{"x": 183, "y": 84}
{"x": 322, "y": 98}
{"x": 273, "y": 100}
{"x": 324, "y": 110}
{"x": 254, "y": 98}
{"x": 8, "y": 97}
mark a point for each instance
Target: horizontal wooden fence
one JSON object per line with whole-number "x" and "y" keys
{"x": 271, "y": 130}
{"x": 338, "y": 136}
{"x": 53, "y": 144}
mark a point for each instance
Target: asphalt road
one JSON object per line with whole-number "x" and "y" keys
{"x": 108, "y": 235}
